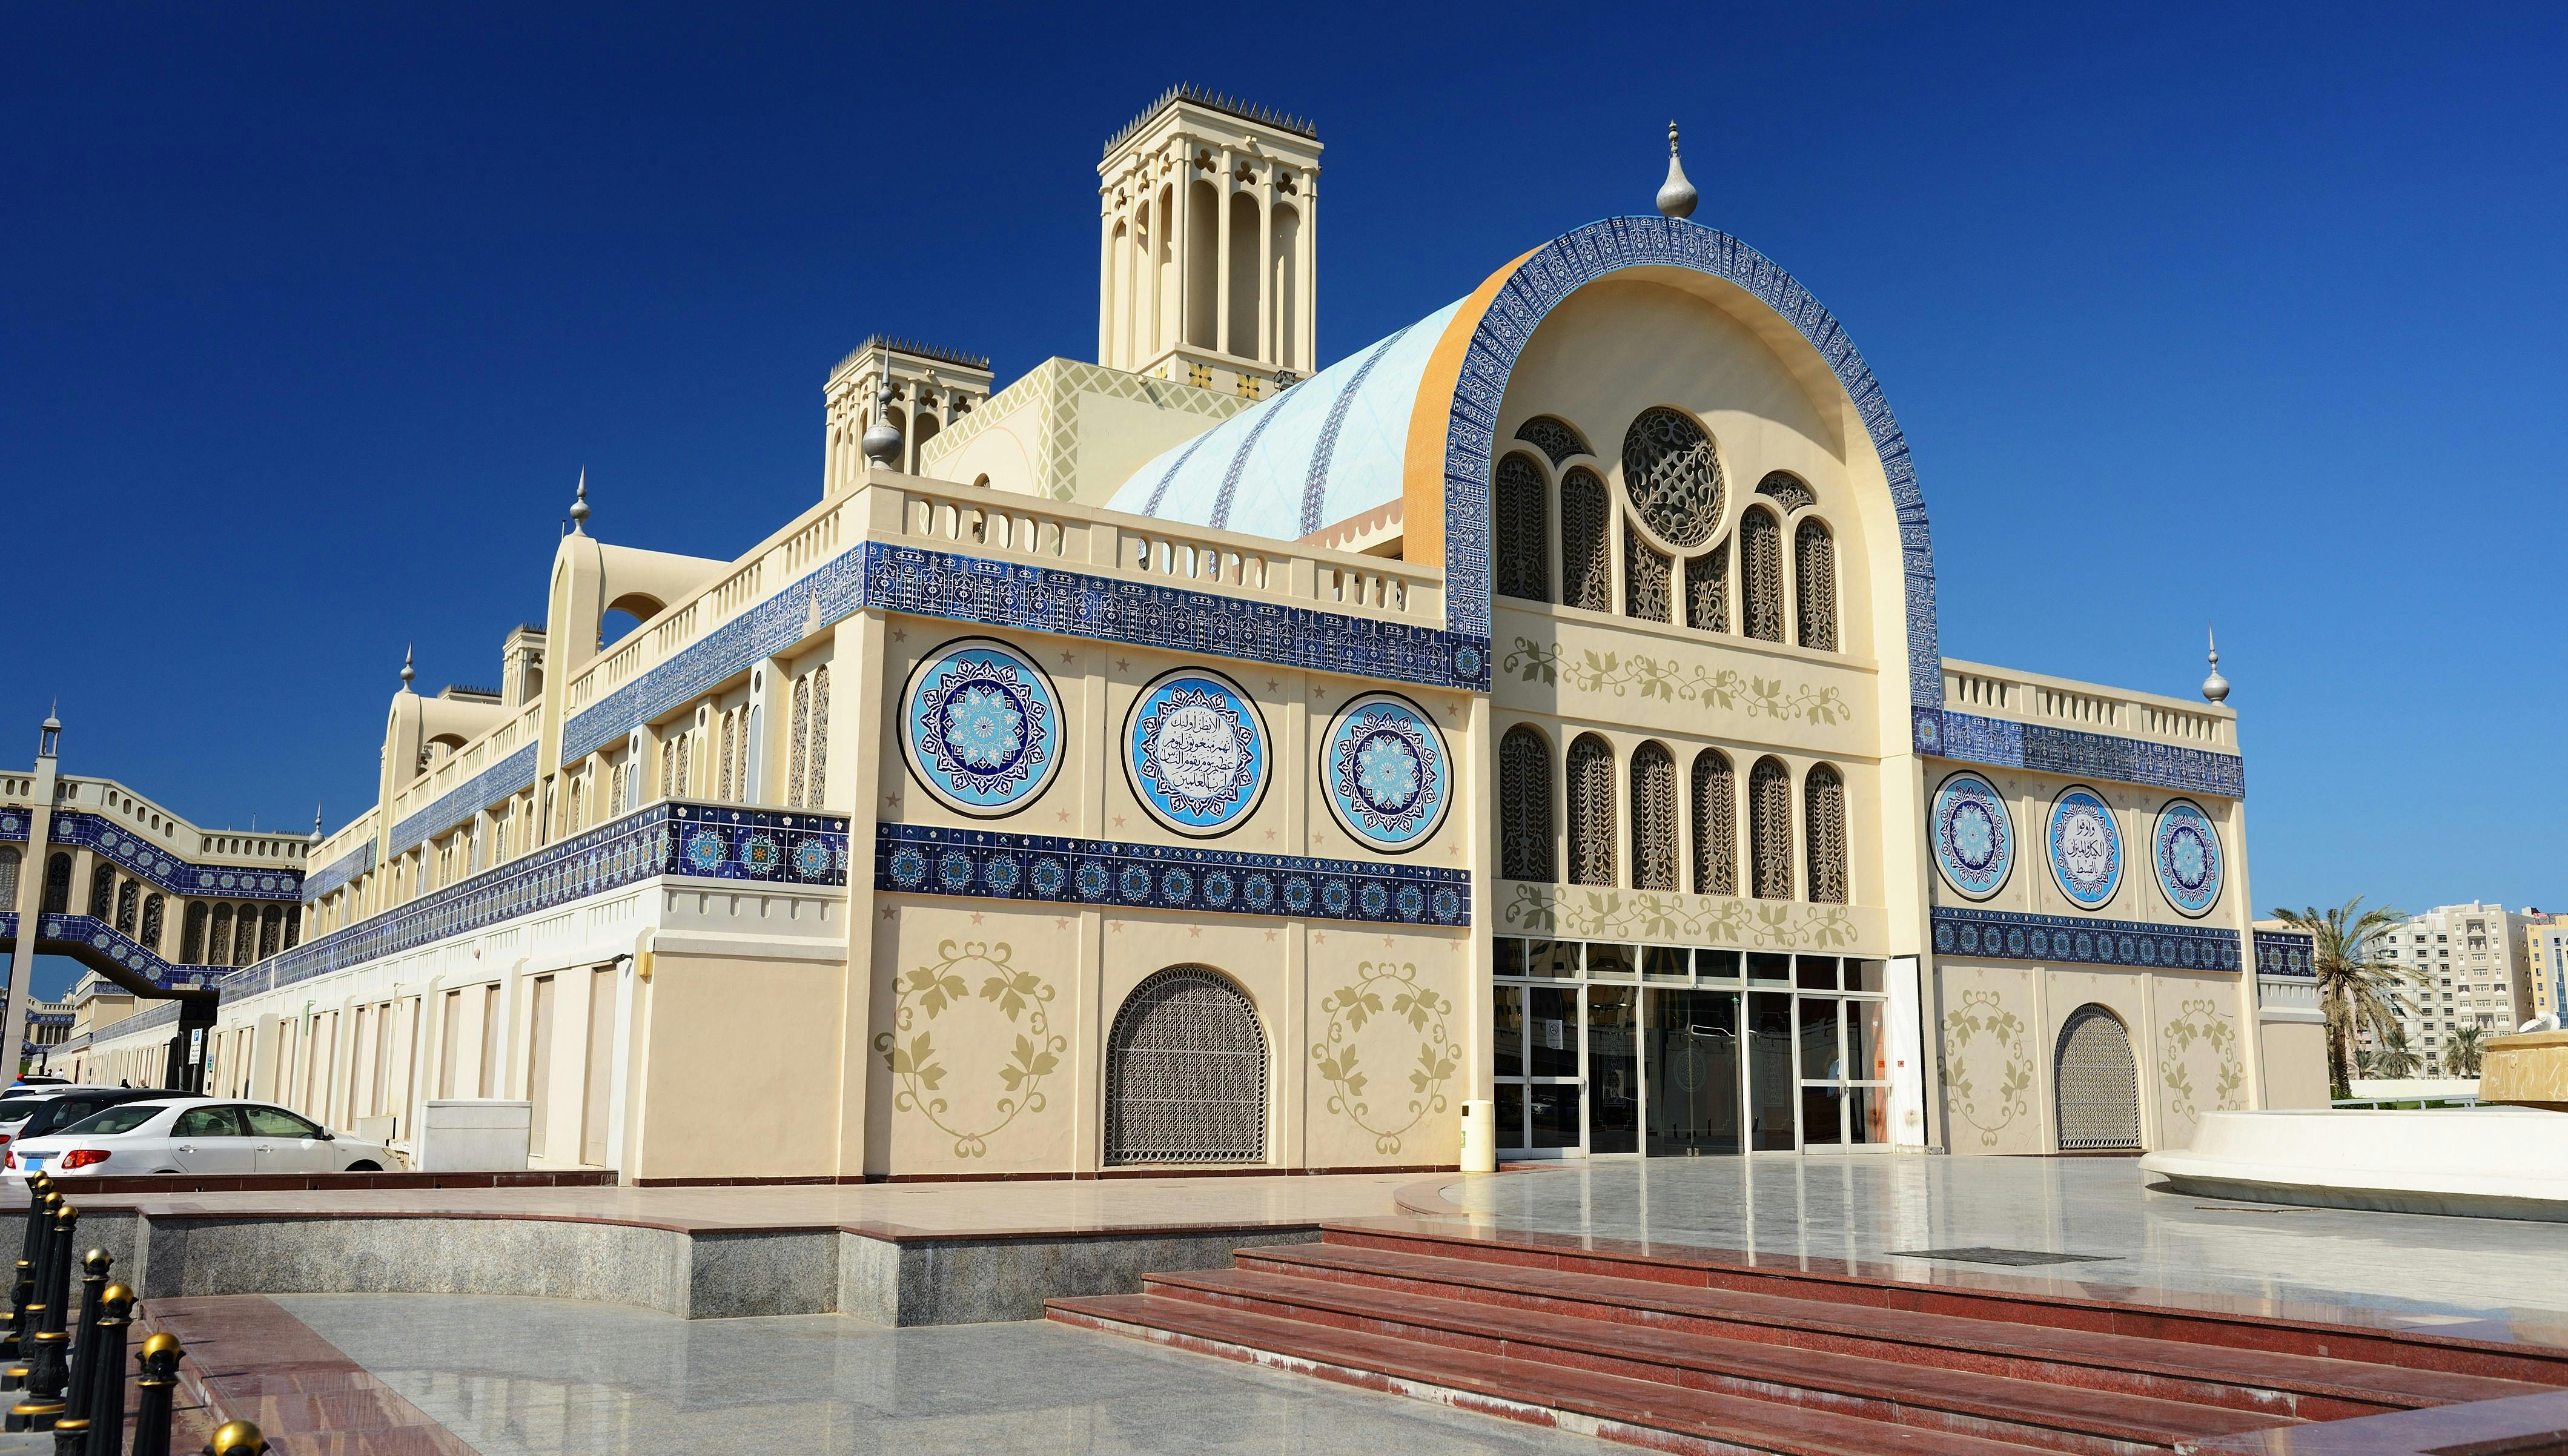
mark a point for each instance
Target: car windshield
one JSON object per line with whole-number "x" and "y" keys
{"x": 115, "y": 1119}
{"x": 63, "y": 1111}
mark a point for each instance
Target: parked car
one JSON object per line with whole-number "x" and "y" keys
{"x": 180, "y": 1134}
{"x": 69, "y": 1105}
{"x": 21, "y": 1102}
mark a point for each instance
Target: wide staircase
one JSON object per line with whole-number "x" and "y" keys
{"x": 1701, "y": 1351}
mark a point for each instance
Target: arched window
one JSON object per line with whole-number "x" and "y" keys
{"x": 1646, "y": 570}
{"x": 726, "y": 784}
{"x": 1823, "y": 803}
{"x": 192, "y": 937}
{"x": 150, "y": 937}
{"x": 271, "y": 925}
{"x": 1716, "y": 824}
{"x": 1787, "y": 491}
{"x": 10, "y": 860}
{"x": 58, "y": 884}
{"x": 1585, "y": 569}
{"x": 1185, "y": 1073}
{"x": 1524, "y": 556}
{"x": 293, "y": 928}
{"x": 1814, "y": 584}
{"x": 1770, "y": 829}
{"x": 1591, "y": 811}
{"x": 1553, "y": 437}
{"x": 1707, "y": 590}
{"x": 129, "y": 907}
{"x": 218, "y": 946}
{"x": 102, "y": 891}
{"x": 1524, "y": 806}
{"x": 1760, "y": 575}
{"x": 1654, "y": 818}
{"x": 815, "y": 792}
{"x": 2094, "y": 1082}
{"x": 1673, "y": 476}
{"x": 798, "y": 751}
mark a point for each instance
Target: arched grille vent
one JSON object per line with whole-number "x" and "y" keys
{"x": 2096, "y": 1085}
{"x": 1185, "y": 1073}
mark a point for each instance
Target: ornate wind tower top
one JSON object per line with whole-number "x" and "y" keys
{"x": 1676, "y": 197}
{"x": 1208, "y": 230}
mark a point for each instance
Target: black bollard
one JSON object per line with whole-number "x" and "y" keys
{"x": 31, "y": 1286}
{"x": 236, "y": 1438}
{"x": 71, "y": 1429}
{"x": 24, "y": 1293}
{"x": 49, "y": 1366}
{"x": 105, "y": 1410}
{"x": 155, "y": 1393}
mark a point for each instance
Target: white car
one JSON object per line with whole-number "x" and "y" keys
{"x": 195, "y": 1135}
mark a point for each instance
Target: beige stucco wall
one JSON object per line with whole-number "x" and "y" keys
{"x": 2295, "y": 1064}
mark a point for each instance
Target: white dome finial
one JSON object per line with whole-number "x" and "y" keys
{"x": 1676, "y": 197}
{"x": 2215, "y": 687}
{"x": 407, "y": 672}
{"x": 579, "y": 505}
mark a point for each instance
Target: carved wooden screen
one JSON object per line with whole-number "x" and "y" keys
{"x": 1654, "y": 818}
{"x": 1524, "y": 806}
{"x": 1761, "y": 576}
{"x": 1586, "y": 570}
{"x": 1823, "y": 800}
{"x": 1524, "y": 556}
{"x": 1770, "y": 828}
{"x": 1814, "y": 584}
{"x": 1716, "y": 824}
{"x": 1591, "y": 813}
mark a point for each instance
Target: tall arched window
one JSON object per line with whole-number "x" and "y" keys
{"x": 1185, "y": 1072}
{"x": 1814, "y": 584}
{"x": 1716, "y": 824}
{"x": 102, "y": 891}
{"x": 1760, "y": 575}
{"x": 797, "y": 753}
{"x": 1646, "y": 570}
{"x": 58, "y": 884}
{"x": 1524, "y": 566}
{"x": 725, "y": 785}
{"x": 1654, "y": 818}
{"x": 1586, "y": 570}
{"x": 1524, "y": 806}
{"x": 293, "y": 928}
{"x": 271, "y": 925}
{"x": 10, "y": 860}
{"x": 218, "y": 946}
{"x": 815, "y": 793}
{"x": 1770, "y": 829}
{"x": 1591, "y": 811}
{"x": 192, "y": 937}
{"x": 1823, "y": 803}
{"x": 150, "y": 937}
{"x": 1707, "y": 590}
{"x": 129, "y": 907}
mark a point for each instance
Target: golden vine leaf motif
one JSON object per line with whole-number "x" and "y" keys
{"x": 1984, "y": 1014}
{"x": 928, "y": 992}
{"x": 1647, "y": 677}
{"x": 1347, "y": 1009}
{"x": 2200, "y": 1021}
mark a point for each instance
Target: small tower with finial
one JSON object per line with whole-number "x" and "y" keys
{"x": 1676, "y": 197}
{"x": 49, "y": 737}
{"x": 2215, "y": 689}
{"x": 881, "y": 442}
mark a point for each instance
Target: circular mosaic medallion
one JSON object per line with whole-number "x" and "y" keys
{"x": 1974, "y": 838}
{"x": 2187, "y": 851}
{"x": 2086, "y": 848}
{"x": 1385, "y": 773}
{"x": 1196, "y": 753}
{"x": 980, "y": 726}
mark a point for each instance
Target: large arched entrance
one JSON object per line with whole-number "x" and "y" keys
{"x": 1185, "y": 1073}
{"x": 2095, "y": 1087}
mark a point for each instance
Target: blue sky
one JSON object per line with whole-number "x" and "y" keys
{"x": 2247, "y": 315}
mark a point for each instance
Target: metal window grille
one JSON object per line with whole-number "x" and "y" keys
{"x": 1706, "y": 589}
{"x": 797, "y": 753}
{"x": 219, "y": 947}
{"x": 1654, "y": 818}
{"x": 1823, "y": 800}
{"x": 1715, "y": 825}
{"x": 1760, "y": 575}
{"x": 815, "y": 792}
{"x": 58, "y": 884}
{"x": 2097, "y": 1084}
{"x": 128, "y": 904}
{"x": 102, "y": 891}
{"x": 153, "y": 908}
{"x": 1185, "y": 1073}
{"x": 730, "y": 742}
{"x": 1814, "y": 584}
{"x": 1673, "y": 474}
{"x": 1586, "y": 571}
{"x": 192, "y": 937}
{"x": 1770, "y": 828}
{"x": 1554, "y": 438}
{"x": 10, "y": 860}
{"x": 1790, "y": 492}
{"x": 1524, "y": 558}
{"x": 1591, "y": 813}
{"x": 1524, "y": 806}
{"x": 1646, "y": 570}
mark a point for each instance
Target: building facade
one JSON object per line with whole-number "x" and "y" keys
{"x": 2545, "y": 962}
{"x": 1200, "y": 762}
{"x": 2474, "y": 969}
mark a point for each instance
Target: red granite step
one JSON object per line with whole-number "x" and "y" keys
{"x": 2313, "y": 1388}
{"x": 2053, "y": 1302}
{"x": 1639, "y": 1412}
{"x": 2031, "y": 1412}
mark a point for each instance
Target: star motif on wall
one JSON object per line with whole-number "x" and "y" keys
{"x": 1060, "y": 923}
{"x": 1270, "y": 834}
{"x": 1115, "y": 926}
{"x": 1118, "y": 821}
{"x": 1063, "y": 815}
{"x": 1320, "y": 937}
{"x": 1068, "y": 659}
{"x": 887, "y": 912}
{"x": 1122, "y": 665}
{"x": 1273, "y": 686}
{"x": 1270, "y": 935}
{"x": 977, "y": 918}
{"x": 893, "y": 799}
{"x": 1320, "y": 692}
{"x": 900, "y": 634}
{"x": 1194, "y": 932}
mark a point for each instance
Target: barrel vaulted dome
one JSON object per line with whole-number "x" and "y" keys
{"x": 1326, "y": 448}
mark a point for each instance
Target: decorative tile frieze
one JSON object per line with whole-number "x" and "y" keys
{"x": 92, "y": 936}
{"x": 512, "y": 774}
{"x": 2060, "y": 940}
{"x": 921, "y": 859}
{"x": 340, "y": 871}
{"x": 1945, "y": 734}
{"x": 706, "y": 841}
{"x": 151, "y": 863}
{"x": 2285, "y": 953}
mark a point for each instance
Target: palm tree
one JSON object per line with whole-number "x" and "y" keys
{"x": 2396, "y": 1058}
{"x": 2353, "y": 985}
{"x": 2461, "y": 1053}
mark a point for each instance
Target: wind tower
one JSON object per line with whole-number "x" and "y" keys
{"x": 1207, "y": 244}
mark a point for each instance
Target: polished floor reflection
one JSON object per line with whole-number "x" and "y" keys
{"x": 533, "y": 1378}
{"x": 1856, "y": 1206}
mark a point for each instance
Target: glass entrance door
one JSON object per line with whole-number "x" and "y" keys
{"x": 1691, "y": 1047}
{"x": 1613, "y": 1070}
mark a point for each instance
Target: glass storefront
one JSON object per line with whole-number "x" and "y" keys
{"x": 1604, "y": 1049}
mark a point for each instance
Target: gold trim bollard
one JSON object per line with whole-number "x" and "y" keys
{"x": 40, "y": 1222}
{"x": 49, "y": 1367}
{"x": 71, "y": 1429}
{"x": 236, "y": 1438}
{"x": 23, "y": 1292}
{"x": 105, "y": 1410}
{"x": 156, "y": 1394}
